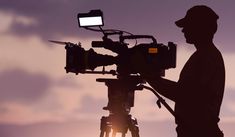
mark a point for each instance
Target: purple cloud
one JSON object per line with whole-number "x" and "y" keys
{"x": 58, "y": 18}
{"x": 19, "y": 85}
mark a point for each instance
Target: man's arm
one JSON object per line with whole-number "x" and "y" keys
{"x": 163, "y": 86}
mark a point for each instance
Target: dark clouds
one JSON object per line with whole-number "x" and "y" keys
{"x": 19, "y": 85}
{"x": 57, "y": 18}
{"x": 53, "y": 17}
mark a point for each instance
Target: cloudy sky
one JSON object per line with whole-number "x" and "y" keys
{"x": 37, "y": 97}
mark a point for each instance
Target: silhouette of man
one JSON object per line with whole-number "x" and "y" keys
{"x": 199, "y": 91}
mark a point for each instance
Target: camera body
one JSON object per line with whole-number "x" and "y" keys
{"x": 158, "y": 56}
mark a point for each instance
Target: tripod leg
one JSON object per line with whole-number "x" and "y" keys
{"x": 114, "y": 133}
{"x": 133, "y": 126}
{"x": 101, "y": 133}
{"x": 107, "y": 134}
{"x": 123, "y": 134}
{"x": 135, "y": 133}
{"x": 104, "y": 127}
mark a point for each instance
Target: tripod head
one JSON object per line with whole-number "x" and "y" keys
{"x": 121, "y": 93}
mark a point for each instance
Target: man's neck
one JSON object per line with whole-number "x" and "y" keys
{"x": 204, "y": 45}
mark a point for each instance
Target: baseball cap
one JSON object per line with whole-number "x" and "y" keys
{"x": 199, "y": 14}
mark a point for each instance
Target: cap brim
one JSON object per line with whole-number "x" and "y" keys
{"x": 180, "y": 23}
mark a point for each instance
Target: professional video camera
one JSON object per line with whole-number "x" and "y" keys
{"x": 78, "y": 60}
{"x": 121, "y": 90}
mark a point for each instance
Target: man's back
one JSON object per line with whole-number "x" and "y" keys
{"x": 200, "y": 90}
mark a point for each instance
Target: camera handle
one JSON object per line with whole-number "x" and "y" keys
{"x": 122, "y": 38}
{"x": 160, "y": 99}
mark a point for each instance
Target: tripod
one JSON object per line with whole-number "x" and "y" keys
{"x": 120, "y": 100}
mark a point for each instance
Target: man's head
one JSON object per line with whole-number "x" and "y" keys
{"x": 199, "y": 24}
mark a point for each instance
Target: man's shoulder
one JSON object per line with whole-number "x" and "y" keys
{"x": 211, "y": 54}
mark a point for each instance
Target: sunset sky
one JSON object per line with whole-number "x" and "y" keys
{"x": 38, "y": 98}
